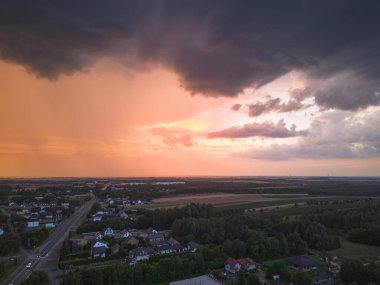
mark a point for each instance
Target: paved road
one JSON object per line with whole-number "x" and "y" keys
{"x": 38, "y": 256}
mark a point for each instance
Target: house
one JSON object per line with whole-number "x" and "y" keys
{"x": 193, "y": 246}
{"x": 151, "y": 231}
{"x": 115, "y": 249}
{"x": 100, "y": 244}
{"x": 204, "y": 280}
{"x": 49, "y": 217}
{"x": 123, "y": 215}
{"x": 99, "y": 249}
{"x": 302, "y": 262}
{"x": 232, "y": 266}
{"x": 33, "y": 223}
{"x": 97, "y": 218}
{"x": 130, "y": 241}
{"x": 169, "y": 249}
{"x": 99, "y": 252}
{"x": 165, "y": 249}
{"x": 173, "y": 241}
{"x": 49, "y": 225}
{"x": 141, "y": 253}
{"x": 155, "y": 238}
{"x": 247, "y": 264}
{"x": 326, "y": 278}
{"x": 108, "y": 231}
{"x": 98, "y": 236}
{"x": 178, "y": 248}
{"x": 125, "y": 234}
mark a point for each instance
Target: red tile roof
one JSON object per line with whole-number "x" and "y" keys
{"x": 231, "y": 262}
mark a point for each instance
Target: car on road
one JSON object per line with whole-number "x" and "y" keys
{"x": 29, "y": 265}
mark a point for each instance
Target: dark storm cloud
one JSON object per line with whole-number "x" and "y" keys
{"x": 216, "y": 47}
{"x": 266, "y": 129}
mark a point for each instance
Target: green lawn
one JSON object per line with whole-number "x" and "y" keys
{"x": 361, "y": 252}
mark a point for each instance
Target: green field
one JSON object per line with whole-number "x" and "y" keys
{"x": 361, "y": 252}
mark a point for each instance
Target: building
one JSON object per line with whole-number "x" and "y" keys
{"x": 247, "y": 264}
{"x": 123, "y": 215}
{"x": 233, "y": 265}
{"x": 130, "y": 241}
{"x": 98, "y": 236}
{"x": 99, "y": 249}
{"x": 125, "y": 234}
{"x": 99, "y": 252}
{"x": 302, "y": 262}
{"x": 100, "y": 244}
{"x": 97, "y": 218}
{"x": 141, "y": 253}
{"x": 108, "y": 231}
{"x": 173, "y": 241}
{"x": 169, "y": 249}
{"x": 203, "y": 280}
{"x": 33, "y": 223}
{"x": 326, "y": 278}
{"x": 155, "y": 238}
{"x": 193, "y": 246}
{"x": 49, "y": 225}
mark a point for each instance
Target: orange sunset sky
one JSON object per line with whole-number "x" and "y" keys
{"x": 122, "y": 115}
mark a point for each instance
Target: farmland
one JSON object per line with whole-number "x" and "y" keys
{"x": 225, "y": 199}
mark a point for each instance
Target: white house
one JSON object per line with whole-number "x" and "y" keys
{"x": 98, "y": 236}
{"x": 123, "y": 215}
{"x": 100, "y": 244}
{"x": 49, "y": 225}
{"x": 108, "y": 231}
{"x": 97, "y": 218}
{"x": 125, "y": 234}
{"x": 232, "y": 265}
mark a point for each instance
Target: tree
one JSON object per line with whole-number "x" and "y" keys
{"x": 2, "y": 268}
{"x": 73, "y": 278}
{"x": 252, "y": 279}
{"x": 279, "y": 268}
{"x": 354, "y": 270}
{"x": 296, "y": 244}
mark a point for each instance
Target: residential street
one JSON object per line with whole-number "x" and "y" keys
{"x": 37, "y": 258}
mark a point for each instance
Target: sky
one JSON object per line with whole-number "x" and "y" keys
{"x": 187, "y": 88}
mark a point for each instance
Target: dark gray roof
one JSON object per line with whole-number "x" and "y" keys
{"x": 156, "y": 236}
{"x": 173, "y": 241}
{"x": 302, "y": 261}
{"x": 175, "y": 247}
{"x": 193, "y": 244}
{"x": 325, "y": 276}
{"x": 142, "y": 251}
